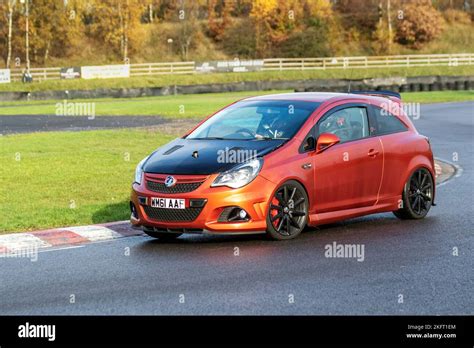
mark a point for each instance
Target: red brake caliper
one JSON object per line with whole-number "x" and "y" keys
{"x": 274, "y": 212}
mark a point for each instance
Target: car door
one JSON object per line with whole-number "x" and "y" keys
{"x": 398, "y": 150}
{"x": 348, "y": 174}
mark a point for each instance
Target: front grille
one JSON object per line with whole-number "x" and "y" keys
{"x": 178, "y": 188}
{"x": 172, "y": 215}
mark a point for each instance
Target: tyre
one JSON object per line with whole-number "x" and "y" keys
{"x": 417, "y": 196}
{"x": 288, "y": 211}
{"x": 163, "y": 236}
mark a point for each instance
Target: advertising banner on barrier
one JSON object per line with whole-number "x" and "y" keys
{"x": 235, "y": 65}
{"x": 70, "y": 73}
{"x": 105, "y": 71}
{"x": 4, "y": 75}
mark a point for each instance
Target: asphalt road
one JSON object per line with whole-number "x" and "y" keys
{"x": 411, "y": 262}
{"x": 46, "y": 123}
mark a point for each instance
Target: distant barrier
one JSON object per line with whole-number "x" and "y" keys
{"x": 396, "y": 84}
{"x": 281, "y": 64}
{"x": 150, "y": 69}
{"x": 38, "y": 74}
{"x": 400, "y": 61}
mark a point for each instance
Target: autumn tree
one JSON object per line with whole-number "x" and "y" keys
{"x": 188, "y": 27}
{"x": 312, "y": 31}
{"x": 165, "y": 9}
{"x": 219, "y": 17}
{"x": 363, "y": 15}
{"x": 53, "y": 29}
{"x": 383, "y": 36}
{"x": 291, "y": 27}
{"x": 117, "y": 24}
{"x": 9, "y": 12}
{"x": 262, "y": 11}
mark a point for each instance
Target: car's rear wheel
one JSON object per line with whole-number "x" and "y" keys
{"x": 288, "y": 212}
{"x": 417, "y": 196}
{"x": 163, "y": 236}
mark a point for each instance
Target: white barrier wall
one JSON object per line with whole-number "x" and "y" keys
{"x": 4, "y": 75}
{"x": 105, "y": 71}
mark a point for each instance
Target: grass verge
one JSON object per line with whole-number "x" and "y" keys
{"x": 69, "y": 178}
{"x": 190, "y": 106}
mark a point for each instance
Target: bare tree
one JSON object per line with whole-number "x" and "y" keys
{"x": 11, "y": 5}
{"x": 187, "y": 17}
{"x": 390, "y": 31}
{"x": 124, "y": 14}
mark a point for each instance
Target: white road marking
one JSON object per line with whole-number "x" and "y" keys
{"x": 438, "y": 170}
{"x": 21, "y": 241}
{"x": 94, "y": 233}
{"x": 457, "y": 171}
{"x": 58, "y": 249}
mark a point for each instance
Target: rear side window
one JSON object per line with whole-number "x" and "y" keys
{"x": 387, "y": 123}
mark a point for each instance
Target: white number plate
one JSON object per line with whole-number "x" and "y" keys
{"x": 168, "y": 203}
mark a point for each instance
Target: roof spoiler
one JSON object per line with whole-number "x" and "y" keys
{"x": 386, "y": 94}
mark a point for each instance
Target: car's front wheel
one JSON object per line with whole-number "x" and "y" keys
{"x": 417, "y": 196}
{"x": 288, "y": 212}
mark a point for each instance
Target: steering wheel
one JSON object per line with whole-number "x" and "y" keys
{"x": 246, "y": 130}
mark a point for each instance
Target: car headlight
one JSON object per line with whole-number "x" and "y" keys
{"x": 240, "y": 175}
{"x": 139, "y": 171}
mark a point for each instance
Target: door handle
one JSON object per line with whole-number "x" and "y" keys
{"x": 307, "y": 166}
{"x": 373, "y": 153}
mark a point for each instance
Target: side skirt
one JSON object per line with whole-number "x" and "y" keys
{"x": 330, "y": 217}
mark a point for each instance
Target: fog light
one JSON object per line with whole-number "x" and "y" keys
{"x": 233, "y": 214}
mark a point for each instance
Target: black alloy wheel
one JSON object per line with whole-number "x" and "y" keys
{"x": 417, "y": 197}
{"x": 288, "y": 212}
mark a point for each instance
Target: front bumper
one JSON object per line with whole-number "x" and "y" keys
{"x": 253, "y": 198}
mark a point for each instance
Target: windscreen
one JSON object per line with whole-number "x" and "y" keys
{"x": 256, "y": 120}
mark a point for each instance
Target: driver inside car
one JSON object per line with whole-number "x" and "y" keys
{"x": 273, "y": 125}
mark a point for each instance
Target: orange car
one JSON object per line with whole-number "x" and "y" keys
{"x": 277, "y": 163}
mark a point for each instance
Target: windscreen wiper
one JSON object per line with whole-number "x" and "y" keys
{"x": 208, "y": 138}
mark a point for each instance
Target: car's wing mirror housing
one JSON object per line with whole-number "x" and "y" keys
{"x": 325, "y": 141}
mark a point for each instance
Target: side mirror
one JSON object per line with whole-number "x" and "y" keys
{"x": 309, "y": 144}
{"x": 325, "y": 141}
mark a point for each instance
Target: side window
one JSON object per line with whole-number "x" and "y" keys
{"x": 386, "y": 123}
{"x": 348, "y": 124}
